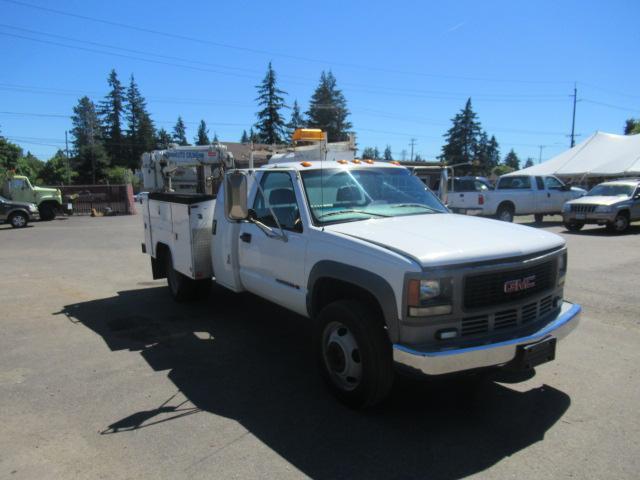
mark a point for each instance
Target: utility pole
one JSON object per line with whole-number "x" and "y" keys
{"x": 66, "y": 146}
{"x": 412, "y": 144}
{"x": 403, "y": 155}
{"x": 540, "y": 156}
{"x": 573, "y": 122}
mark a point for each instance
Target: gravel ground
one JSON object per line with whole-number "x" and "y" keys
{"x": 103, "y": 376}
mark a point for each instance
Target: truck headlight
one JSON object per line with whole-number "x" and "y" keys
{"x": 429, "y": 297}
{"x": 33, "y": 208}
{"x": 566, "y": 208}
{"x": 604, "y": 209}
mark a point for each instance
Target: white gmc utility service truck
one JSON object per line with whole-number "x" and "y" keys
{"x": 387, "y": 274}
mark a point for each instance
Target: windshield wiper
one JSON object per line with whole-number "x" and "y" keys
{"x": 340, "y": 212}
{"x": 400, "y": 205}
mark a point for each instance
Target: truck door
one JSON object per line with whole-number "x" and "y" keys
{"x": 557, "y": 195}
{"x": 544, "y": 202}
{"x": 271, "y": 267}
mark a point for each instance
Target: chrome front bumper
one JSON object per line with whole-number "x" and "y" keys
{"x": 438, "y": 362}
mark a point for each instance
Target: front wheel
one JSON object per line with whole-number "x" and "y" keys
{"x": 47, "y": 212}
{"x": 574, "y": 226}
{"x": 538, "y": 217}
{"x": 354, "y": 353}
{"x": 18, "y": 220}
{"x": 620, "y": 224}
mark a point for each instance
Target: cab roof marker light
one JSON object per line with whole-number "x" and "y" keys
{"x": 369, "y": 161}
{"x": 356, "y": 161}
{"x": 394, "y": 162}
{"x": 306, "y": 164}
{"x": 343, "y": 162}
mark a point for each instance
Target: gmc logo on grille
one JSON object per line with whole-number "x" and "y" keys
{"x": 520, "y": 284}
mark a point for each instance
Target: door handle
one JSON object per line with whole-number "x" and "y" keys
{"x": 245, "y": 237}
{"x": 548, "y": 195}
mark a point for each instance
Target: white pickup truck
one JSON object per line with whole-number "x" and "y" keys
{"x": 389, "y": 277}
{"x": 525, "y": 195}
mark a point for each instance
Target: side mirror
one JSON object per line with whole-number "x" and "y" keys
{"x": 235, "y": 196}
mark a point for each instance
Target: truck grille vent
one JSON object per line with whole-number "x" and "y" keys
{"x": 529, "y": 312}
{"x": 546, "y": 305}
{"x": 478, "y": 325}
{"x": 489, "y": 288}
{"x": 505, "y": 319}
{"x": 475, "y": 325}
{"x": 579, "y": 208}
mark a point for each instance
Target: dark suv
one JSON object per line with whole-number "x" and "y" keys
{"x": 17, "y": 214}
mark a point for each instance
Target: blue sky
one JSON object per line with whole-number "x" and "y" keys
{"x": 405, "y": 68}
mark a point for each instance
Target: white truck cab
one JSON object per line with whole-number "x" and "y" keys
{"x": 539, "y": 195}
{"x": 387, "y": 274}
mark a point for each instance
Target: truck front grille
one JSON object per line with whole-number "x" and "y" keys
{"x": 479, "y": 325}
{"x": 580, "y": 208}
{"x": 488, "y": 289}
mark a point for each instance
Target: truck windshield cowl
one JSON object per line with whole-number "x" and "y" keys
{"x": 343, "y": 195}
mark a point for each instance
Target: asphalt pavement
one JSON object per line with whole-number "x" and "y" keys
{"x": 102, "y": 375}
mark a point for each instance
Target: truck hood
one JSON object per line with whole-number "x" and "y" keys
{"x": 599, "y": 200}
{"x": 448, "y": 239}
{"x": 26, "y": 205}
{"x": 45, "y": 190}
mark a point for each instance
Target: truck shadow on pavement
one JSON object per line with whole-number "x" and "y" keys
{"x": 246, "y": 359}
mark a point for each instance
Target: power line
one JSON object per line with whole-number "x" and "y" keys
{"x": 617, "y": 107}
{"x": 271, "y": 53}
{"x": 363, "y": 88}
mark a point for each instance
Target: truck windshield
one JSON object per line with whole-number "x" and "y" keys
{"x": 343, "y": 195}
{"x": 611, "y": 190}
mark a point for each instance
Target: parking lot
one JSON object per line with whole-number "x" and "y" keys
{"x": 102, "y": 375}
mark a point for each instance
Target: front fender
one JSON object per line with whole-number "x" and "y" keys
{"x": 369, "y": 281}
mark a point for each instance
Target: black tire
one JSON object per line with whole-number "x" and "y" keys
{"x": 351, "y": 339}
{"x": 574, "y": 226}
{"x": 538, "y": 217}
{"x": 620, "y": 224}
{"x": 47, "y": 212}
{"x": 18, "y": 219}
{"x": 181, "y": 287}
{"x": 505, "y": 213}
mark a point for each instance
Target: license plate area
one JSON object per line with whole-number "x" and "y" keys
{"x": 580, "y": 216}
{"x": 534, "y": 354}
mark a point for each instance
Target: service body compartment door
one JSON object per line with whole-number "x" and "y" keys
{"x": 181, "y": 239}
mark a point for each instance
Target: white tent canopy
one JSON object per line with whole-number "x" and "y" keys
{"x": 600, "y": 155}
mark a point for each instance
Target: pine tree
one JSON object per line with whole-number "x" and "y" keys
{"x": 163, "y": 139}
{"x": 418, "y": 158}
{"x": 462, "y": 138}
{"x": 245, "y": 138}
{"x": 493, "y": 153}
{"x": 202, "y": 138}
{"x": 270, "y": 125}
{"x": 296, "y": 121}
{"x": 512, "y": 160}
{"x": 111, "y": 111}
{"x": 387, "y": 155}
{"x": 180, "y": 133}
{"x": 528, "y": 163}
{"x": 376, "y": 153}
{"x": 631, "y": 126}
{"x": 328, "y": 109}
{"x": 215, "y": 137}
{"x": 140, "y": 129}
{"x": 369, "y": 153}
{"x": 253, "y": 136}
{"x": 90, "y": 157}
